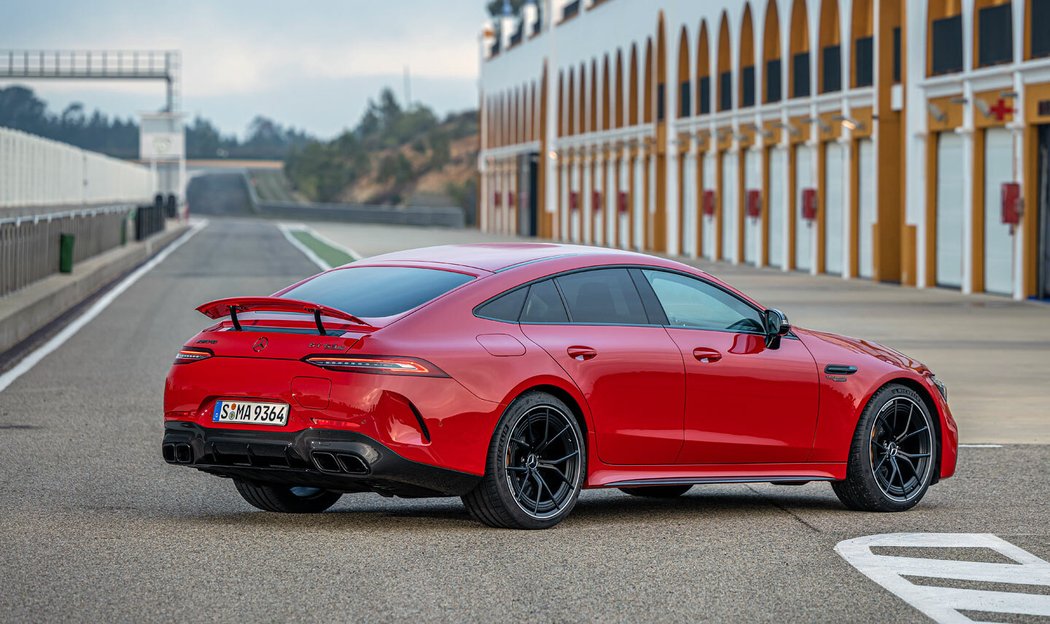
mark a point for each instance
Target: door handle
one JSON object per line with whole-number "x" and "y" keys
{"x": 706, "y": 355}
{"x": 581, "y": 353}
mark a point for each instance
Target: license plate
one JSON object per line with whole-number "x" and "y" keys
{"x": 249, "y": 412}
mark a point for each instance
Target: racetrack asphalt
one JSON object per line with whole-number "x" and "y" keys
{"x": 94, "y": 526}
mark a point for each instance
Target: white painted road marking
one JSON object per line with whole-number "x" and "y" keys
{"x": 288, "y": 228}
{"x": 980, "y": 446}
{"x": 70, "y": 330}
{"x": 943, "y": 604}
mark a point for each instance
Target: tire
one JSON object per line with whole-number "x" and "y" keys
{"x": 536, "y": 466}
{"x": 658, "y": 491}
{"x": 285, "y": 499}
{"x": 884, "y": 452}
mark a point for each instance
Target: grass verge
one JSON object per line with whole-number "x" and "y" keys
{"x": 332, "y": 255}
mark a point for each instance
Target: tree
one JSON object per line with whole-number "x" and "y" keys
{"x": 22, "y": 110}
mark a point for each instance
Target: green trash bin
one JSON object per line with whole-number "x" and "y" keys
{"x": 65, "y": 252}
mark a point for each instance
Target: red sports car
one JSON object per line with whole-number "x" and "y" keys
{"x": 515, "y": 375}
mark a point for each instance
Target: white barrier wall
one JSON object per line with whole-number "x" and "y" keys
{"x": 41, "y": 172}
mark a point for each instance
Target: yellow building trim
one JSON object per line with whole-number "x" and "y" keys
{"x": 931, "y": 209}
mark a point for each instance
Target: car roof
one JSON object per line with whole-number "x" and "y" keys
{"x": 496, "y": 257}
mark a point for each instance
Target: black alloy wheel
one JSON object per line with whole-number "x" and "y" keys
{"x": 543, "y": 461}
{"x": 901, "y": 448}
{"x": 893, "y": 457}
{"x": 536, "y": 466}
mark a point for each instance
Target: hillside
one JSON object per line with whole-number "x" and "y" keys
{"x": 394, "y": 156}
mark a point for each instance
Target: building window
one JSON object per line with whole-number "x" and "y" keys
{"x": 800, "y": 66}
{"x": 748, "y": 95}
{"x": 705, "y": 95}
{"x": 516, "y": 36}
{"x": 864, "y": 53}
{"x": 571, "y": 10}
{"x": 725, "y": 91}
{"x": 897, "y": 55}
{"x": 995, "y": 34}
{"x": 947, "y": 45}
{"x": 685, "y": 103}
{"x": 773, "y": 90}
{"x": 832, "y": 80}
{"x": 1040, "y": 21}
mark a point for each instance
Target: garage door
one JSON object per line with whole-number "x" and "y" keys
{"x": 866, "y": 208}
{"x": 709, "y": 220}
{"x": 834, "y": 209}
{"x": 950, "y": 181}
{"x": 998, "y": 242}
{"x": 622, "y": 225}
{"x": 753, "y": 226}
{"x": 805, "y": 178}
{"x": 688, "y": 225}
{"x": 777, "y": 206}
{"x": 729, "y": 206}
{"x": 638, "y": 212}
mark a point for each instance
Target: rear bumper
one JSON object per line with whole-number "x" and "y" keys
{"x": 344, "y": 461}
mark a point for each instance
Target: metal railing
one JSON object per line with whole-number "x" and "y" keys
{"x": 29, "y": 246}
{"x": 161, "y": 65}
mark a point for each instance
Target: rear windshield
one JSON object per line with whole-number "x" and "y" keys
{"x": 377, "y": 291}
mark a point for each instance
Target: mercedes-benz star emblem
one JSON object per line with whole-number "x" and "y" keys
{"x": 260, "y": 344}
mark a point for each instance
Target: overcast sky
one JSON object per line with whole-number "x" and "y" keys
{"x": 311, "y": 64}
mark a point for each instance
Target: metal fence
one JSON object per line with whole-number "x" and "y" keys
{"x": 29, "y": 246}
{"x": 41, "y": 172}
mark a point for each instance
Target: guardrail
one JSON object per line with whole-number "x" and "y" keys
{"x": 410, "y": 215}
{"x": 149, "y": 220}
{"x": 441, "y": 216}
{"x": 30, "y": 246}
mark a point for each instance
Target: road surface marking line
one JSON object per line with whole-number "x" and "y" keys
{"x": 70, "y": 330}
{"x": 287, "y": 229}
{"x": 943, "y": 604}
{"x": 980, "y": 446}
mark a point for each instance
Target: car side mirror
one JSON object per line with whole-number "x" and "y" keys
{"x": 777, "y": 326}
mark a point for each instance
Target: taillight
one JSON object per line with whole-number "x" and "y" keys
{"x": 377, "y": 365}
{"x": 192, "y": 354}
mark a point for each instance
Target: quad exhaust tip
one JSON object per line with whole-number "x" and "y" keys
{"x": 177, "y": 453}
{"x": 344, "y": 463}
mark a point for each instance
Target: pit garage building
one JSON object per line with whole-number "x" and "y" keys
{"x": 894, "y": 140}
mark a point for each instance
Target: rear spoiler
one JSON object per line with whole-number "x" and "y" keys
{"x": 232, "y": 306}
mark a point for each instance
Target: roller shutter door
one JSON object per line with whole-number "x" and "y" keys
{"x": 834, "y": 209}
{"x": 777, "y": 206}
{"x": 866, "y": 209}
{"x": 950, "y": 181}
{"x": 998, "y": 242}
{"x": 805, "y": 178}
{"x": 753, "y": 226}
{"x": 709, "y": 220}
{"x": 729, "y": 206}
{"x": 688, "y": 224}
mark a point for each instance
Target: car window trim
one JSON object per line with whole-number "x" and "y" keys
{"x": 654, "y": 310}
{"x": 568, "y": 310}
{"x": 638, "y": 267}
{"x": 525, "y": 287}
{"x": 760, "y": 311}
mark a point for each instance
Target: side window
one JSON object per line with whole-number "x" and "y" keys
{"x": 506, "y": 307}
{"x": 543, "y": 305}
{"x": 690, "y": 302}
{"x": 602, "y": 296}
